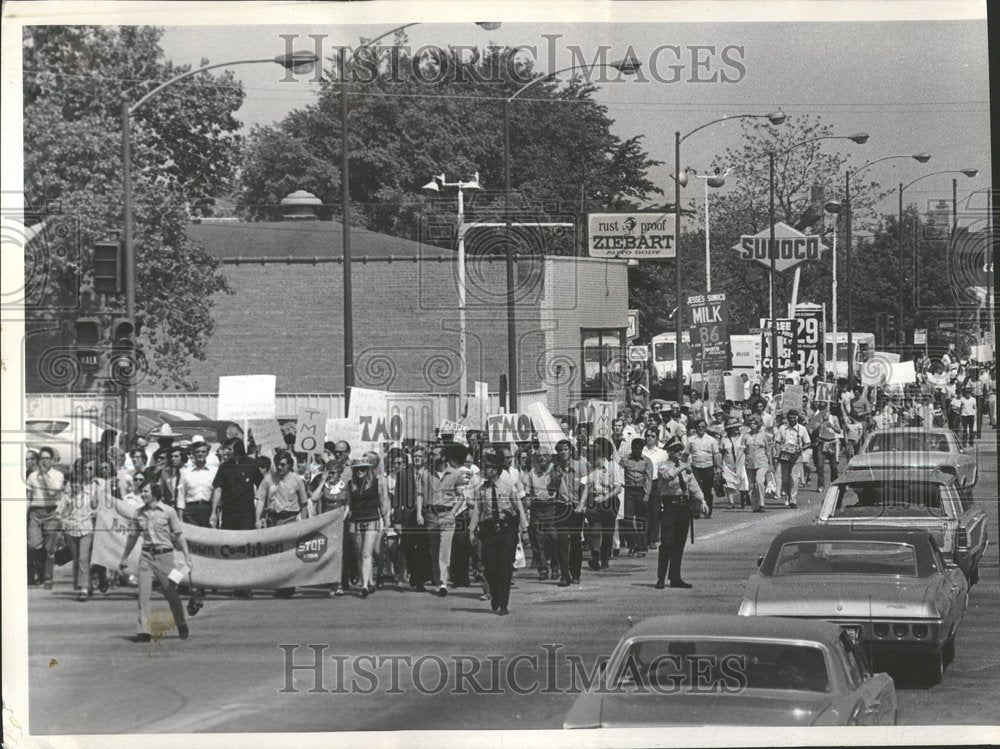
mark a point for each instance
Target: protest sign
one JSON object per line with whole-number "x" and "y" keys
{"x": 476, "y": 410}
{"x": 306, "y": 552}
{"x": 604, "y": 415}
{"x": 734, "y": 387}
{"x": 246, "y": 397}
{"x": 785, "y": 329}
{"x": 310, "y": 430}
{"x": 792, "y": 399}
{"x": 715, "y": 385}
{"x": 875, "y": 371}
{"x": 267, "y": 435}
{"x": 545, "y": 424}
{"x": 371, "y": 409}
{"x": 350, "y": 431}
{"x": 459, "y": 432}
{"x": 902, "y": 373}
{"x": 824, "y": 392}
{"x": 509, "y": 428}
{"x": 584, "y": 412}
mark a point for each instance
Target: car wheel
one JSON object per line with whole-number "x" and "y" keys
{"x": 948, "y": 652}
{"x": 934, "y": 668}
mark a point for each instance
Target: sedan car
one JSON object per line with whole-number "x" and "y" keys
{"x": 890, "y": 589}
{"x": 927, "y": 500}
{"x": 712, "y": 670}
{"x": 64, "y": 433}
{"x": 918, "y": 449}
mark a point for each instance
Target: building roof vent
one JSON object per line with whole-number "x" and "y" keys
{"x": 300, "y": 206}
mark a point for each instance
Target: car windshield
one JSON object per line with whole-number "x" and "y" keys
{"x": 726, "y": 666}
{"x": 847, "y": 557}
{"x": 909, "y": 442}
{"x": 46, "y": 426}
{"x": 897, "y": 499}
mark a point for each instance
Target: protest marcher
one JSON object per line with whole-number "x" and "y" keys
{"x": 329, "y": 493}
{"x": 706, "y": 461}
{"x": 732, "y": 450}
{"x": 567, "y": 477}
{"x": 194, "y": 497}
{"x": 792, "y": 441}
{"x": 680, "y": 488}
{"x": 657, "y": 456}
{"x": 160, "y": 529}
{"x": 281, "y": 497}
{"x": 234, "y": 491}
{"x": 826, "y": 446}
{"x": 599, "y": 500}
{"x": 497, "y": 518}
{"x": 542, "y": 510}
{"x": 401, "y": 486}
{"x": 759, "y": 456}
{"x": 367, "y": 514}
{"x": 854, "y": 432}
{"x": 44, "y": 490}
{"x": 755, "y": 398}
{"x": 437, "y": 506}
{"x": 675, "y": 426}
{"x": 170, "y": 478}
{"x": 967, "y": 408}
{"x": 638, "y": 475}
{"x": 77, "y": 509}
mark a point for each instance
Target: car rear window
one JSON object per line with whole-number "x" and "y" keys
{"x": 47, "y": 426}
{"x": 847, "y": 557}
{"x": 671, "y": 665}
{"x": 908, "y": 442}
{"x": 881, "y": 499}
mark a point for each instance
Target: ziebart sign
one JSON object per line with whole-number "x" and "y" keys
{"x": 630, "y": 235}
{"x": 791, "y": 247}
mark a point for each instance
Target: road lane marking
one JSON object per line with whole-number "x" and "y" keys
{"x": 749, "y": 524}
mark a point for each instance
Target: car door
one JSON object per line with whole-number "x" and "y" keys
{"x": 970, "y": 530}
{"x": 954, "y": 591}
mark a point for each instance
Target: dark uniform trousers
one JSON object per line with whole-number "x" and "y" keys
{"x": 675, "y": 519}
{"x": 498, "y": 549}
{"x": 461, "y": 551}
{"x": 570, "y": 529}
{"x": 416, "y": 551}
{"x": 653, "y": 514}
{"x": 239, "y": 517}
{"x": 705, "y": 478}
{"x": 601, "y": 530}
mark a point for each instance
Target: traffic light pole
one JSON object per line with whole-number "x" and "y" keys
{"x": 128, "y": 261}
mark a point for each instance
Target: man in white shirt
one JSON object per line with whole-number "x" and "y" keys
{"x": 657, "y": 456}
{"x": 791, "y": 441}
{"x": 44, "y": 494}
{"x": 967, "y": 409}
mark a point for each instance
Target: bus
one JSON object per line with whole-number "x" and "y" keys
{"x": 864, "y": 345}
{"x": 665, "y": 356}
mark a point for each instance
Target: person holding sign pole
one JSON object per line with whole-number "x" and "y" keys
{"x": 792, "y": 440}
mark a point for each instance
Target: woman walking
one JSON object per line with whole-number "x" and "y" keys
{"x": 77, "y": 511}
{"x": 367, "y": 515}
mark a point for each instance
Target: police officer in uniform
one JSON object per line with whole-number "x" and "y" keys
{"x": 498, "y": 518}
{"x": 161, "y": 534}
{"x": 678, "y": 486}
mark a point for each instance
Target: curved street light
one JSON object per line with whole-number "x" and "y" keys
{"x": 900, "y": 331}
{"x": 627, "y": 66}
{"x": 680, "y": 180}
{"x": 297, "y": 61}
{"x": 859, "y": 138}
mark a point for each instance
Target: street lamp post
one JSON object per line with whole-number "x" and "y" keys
{"x": 711, "y": 180}
{"x": 834, "y": 208}
{"x": 680, "y": 180}
{"x": 345, "y": 202}
{"x": 859, "y": 138}
{"x": 627, "y": 66}
{"x": 435, "y": 185}
{"x": 297, "y": 61}
{"x": 900, "y": 302}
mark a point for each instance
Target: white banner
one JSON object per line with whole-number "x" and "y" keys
{"x": 246, "y": 397}
{"x": 306, "y": 552}
{"x": 546, "y": 425}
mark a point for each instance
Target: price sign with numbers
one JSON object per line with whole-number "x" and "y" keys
{"x": 786, "y": 339}
{"x": 810, "y": 341}
{"x": 710, "y": 331}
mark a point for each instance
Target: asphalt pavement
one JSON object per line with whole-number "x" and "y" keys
{"x": 232, "y": 675}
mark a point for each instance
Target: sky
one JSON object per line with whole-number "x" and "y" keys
{"x": 913, "y": 85}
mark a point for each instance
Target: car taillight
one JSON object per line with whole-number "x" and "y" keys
{"x": 920, "y": 631}
{"x": 881, "y": 630}
{"x": 900, "y": 630}
{"x": 948, "y": 469}
{"x": 963, "y": 537}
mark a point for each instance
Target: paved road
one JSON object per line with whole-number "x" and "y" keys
{"x": 87, "y": 677}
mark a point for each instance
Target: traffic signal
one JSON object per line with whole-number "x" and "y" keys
{"x": 108, "y": 267}
{"x": 88, "y": 333}
{"x": 125, "y": 364}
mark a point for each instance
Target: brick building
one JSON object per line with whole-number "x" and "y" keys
{"x": 286, "y": 315}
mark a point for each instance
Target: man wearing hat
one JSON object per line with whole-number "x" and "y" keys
{"x": 164, "y": 437}
{"x": 678, "y": 486}
{"x": 733, "y": 450}
{"x": 497, "y": 519}
{"x": 967, "y": 409}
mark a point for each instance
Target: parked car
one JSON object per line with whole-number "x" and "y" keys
{"x": 213, "y": 431}
{"x": 711, "y": 670}
{"x": 63, "y": 434}
{"x": 147, "y": 419}
{"x": 928, "y": 500}
{"x": 918, "y": 449}
{"x": 890, "y": 589}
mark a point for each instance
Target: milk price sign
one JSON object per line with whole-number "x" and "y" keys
{"x": 791, "y": 247}
{"x": 630, "y": 235}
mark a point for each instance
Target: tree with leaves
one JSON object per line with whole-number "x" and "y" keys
{"x": 564, "y": 158}
{"x": 185, "y": 150}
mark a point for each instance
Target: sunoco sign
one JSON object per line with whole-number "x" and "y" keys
{"x": 790, "y": 248}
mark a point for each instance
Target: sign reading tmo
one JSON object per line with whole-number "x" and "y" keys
{"x": 630, "y": 235}
{"x": 791, "y": 247}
